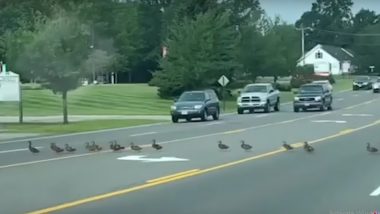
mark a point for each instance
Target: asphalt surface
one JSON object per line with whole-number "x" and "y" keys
{"x": 338, "y": 177}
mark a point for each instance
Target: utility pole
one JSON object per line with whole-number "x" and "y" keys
{"x": 302, "y": 29}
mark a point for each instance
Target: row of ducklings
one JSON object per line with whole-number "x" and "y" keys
{"x": 93, "y": 147}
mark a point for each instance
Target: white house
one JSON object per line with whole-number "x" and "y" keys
{"x": 328, "y": 59}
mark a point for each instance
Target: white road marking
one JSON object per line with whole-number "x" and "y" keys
{"x": 340, "y": 99}
{"x": 357, "y": 115}
{"x": 376, "y": 192}
{"x": 262, "y": 115}
{"x": 18, "y": 150}
{"x": 214, "y": 123}
{"x": 143, "y": 159}
{"x": 82, "y": 133}
{"x": 142, "y": 134}
{"x": 329, "y": 121}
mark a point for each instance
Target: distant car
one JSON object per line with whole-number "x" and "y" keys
{"x": 258, "y": 96}
{"x": 362, "y": 82}
{"x": 328, "y": 84}
{"x": 196, "y": 104}
{"x": 376, "y": 86}
{"x": 313, "y": 96}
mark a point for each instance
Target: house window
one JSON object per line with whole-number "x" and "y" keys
{"x": 318, "y": 55}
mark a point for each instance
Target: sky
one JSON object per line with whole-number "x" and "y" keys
{"x": 291, "y": 10}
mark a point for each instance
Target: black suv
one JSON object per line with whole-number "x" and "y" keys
{"x": 196, "y": 104}
{"x": 313, "y": 96}
{"x": 362, "y": 82}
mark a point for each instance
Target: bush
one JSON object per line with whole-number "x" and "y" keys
{"x": 299, "y": 80}
{"x": 31, "y": 86}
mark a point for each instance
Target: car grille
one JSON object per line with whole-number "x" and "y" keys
{"x": 250, "y": 99}
{"x": 307, "y": 99}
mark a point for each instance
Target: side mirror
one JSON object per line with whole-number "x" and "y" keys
{"x": 207, "y": 100}
{"x": 239, "y": 92}
{"x": 295, "y": 92}
{"x": 175, "y": 99}
{"x": 271, "y": 91}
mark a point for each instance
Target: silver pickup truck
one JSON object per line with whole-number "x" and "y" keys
{"x": 258, "y": 96}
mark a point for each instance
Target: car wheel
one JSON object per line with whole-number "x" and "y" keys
{"x": 215, "y": 116}
{"x": 322, "y": 108}
{"x": 277, "y": 106}
{"x": 204, "y": 115}
{"x": 296, "y": 109}
{"x": 174, "y": 119}
{"x": 240, "y": 111}
{"x": 354, "y": 88}
{"x": 267, "y": 107}
{"x": 329, "y": 107}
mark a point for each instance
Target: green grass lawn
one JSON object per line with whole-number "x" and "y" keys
{"x": 122, "y": 99}
{"x": 73, "y": 127}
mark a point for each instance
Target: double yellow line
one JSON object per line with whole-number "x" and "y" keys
{"x": 190, "y": 173}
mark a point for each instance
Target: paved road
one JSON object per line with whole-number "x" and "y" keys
{"x": 64, "y": 178}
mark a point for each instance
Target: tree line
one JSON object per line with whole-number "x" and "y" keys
{"x": 61, "y": 42}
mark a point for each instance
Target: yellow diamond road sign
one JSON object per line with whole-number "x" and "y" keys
{"x": 223, "y": 81}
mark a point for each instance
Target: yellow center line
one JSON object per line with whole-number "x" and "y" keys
{"x": 189, "y": 173}
{"x": 171, "y": 176}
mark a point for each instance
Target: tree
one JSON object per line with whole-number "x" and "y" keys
{"x": 56, "y": 53}
{"x": 200, "y": 51}
{"x": 327, "y": 17}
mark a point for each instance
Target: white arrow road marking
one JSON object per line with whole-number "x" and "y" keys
{"x": 376, "y": 192}
{"x": 146, "y": 160}
{"x": 18, "y": 150}
{"x": 142, "y": 134}
{"x": 357, "y": 115}
{"x": 329, "y": 121}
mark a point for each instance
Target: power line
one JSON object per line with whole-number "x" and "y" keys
{"x": 348, "y": 34}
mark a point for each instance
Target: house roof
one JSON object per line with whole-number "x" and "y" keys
{"x": 338, "y": 53}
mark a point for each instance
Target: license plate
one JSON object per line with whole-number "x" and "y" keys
{"x": 307, "y": 104}
{"x": 184, "y": 112}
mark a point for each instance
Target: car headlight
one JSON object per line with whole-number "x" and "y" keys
{"x": 318, "y": 98}
{"x": 239, "y": 99}
{"x": 173, "y": 107}
{"x": 197, "y": 107}
{"x": 296, "y": 98}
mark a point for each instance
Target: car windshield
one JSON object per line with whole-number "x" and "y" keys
{"x": 191, "y": 97}
{"x": 361, "y": 79}
{"x": 311, "y": 89}
{"x": 255, "y": 88}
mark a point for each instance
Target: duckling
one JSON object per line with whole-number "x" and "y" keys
{"x": 69, "y": 148}
{"x": 245, "y": 146}
{"x": 112, "y": 145}
{"x": 371, "y": 149}
{"x": 307, "y": 147}
{"x": 135, "y": 147}
{"x": 286, "y": 145}
{"x": 31, "y": 148}
{"x": 155, "y": 145}
{"x": 222, "y": 146}
{"x": 56, "y": 148}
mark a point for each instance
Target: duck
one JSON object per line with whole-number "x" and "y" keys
{"x": 307, "y": 147}
{"x": 97, "y": 147}
{"x": 155, "y": 145}
{"x": 89, "y": 147}
{"x": 31, "y": 148}
{"x": 116, "y": 147}
{"x": 135, "y": 147}
{"x": 112, "y": 145}
{"x": 56, "y": 148}
{"x": 222, "y": 146}
{"x": 245, "y": 146}
{"x": 69, "y": 148}
{"x": 286, "y": 145}
{"x": 371, "y": 149}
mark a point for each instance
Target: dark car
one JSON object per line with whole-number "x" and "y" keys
{"x": 362, "y": 82}
{"x": 196, "y": 104}
{"x": 313, "y": 96}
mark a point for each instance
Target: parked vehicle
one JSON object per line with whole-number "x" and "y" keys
{"x": 313, "y": 96}
{"x": 196, "y": 104}
{"x": 376, "y": 86}
{"x": 328, "y": 84}
{"x": 362, "y": 82}
{"x": 258, "y": 96}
